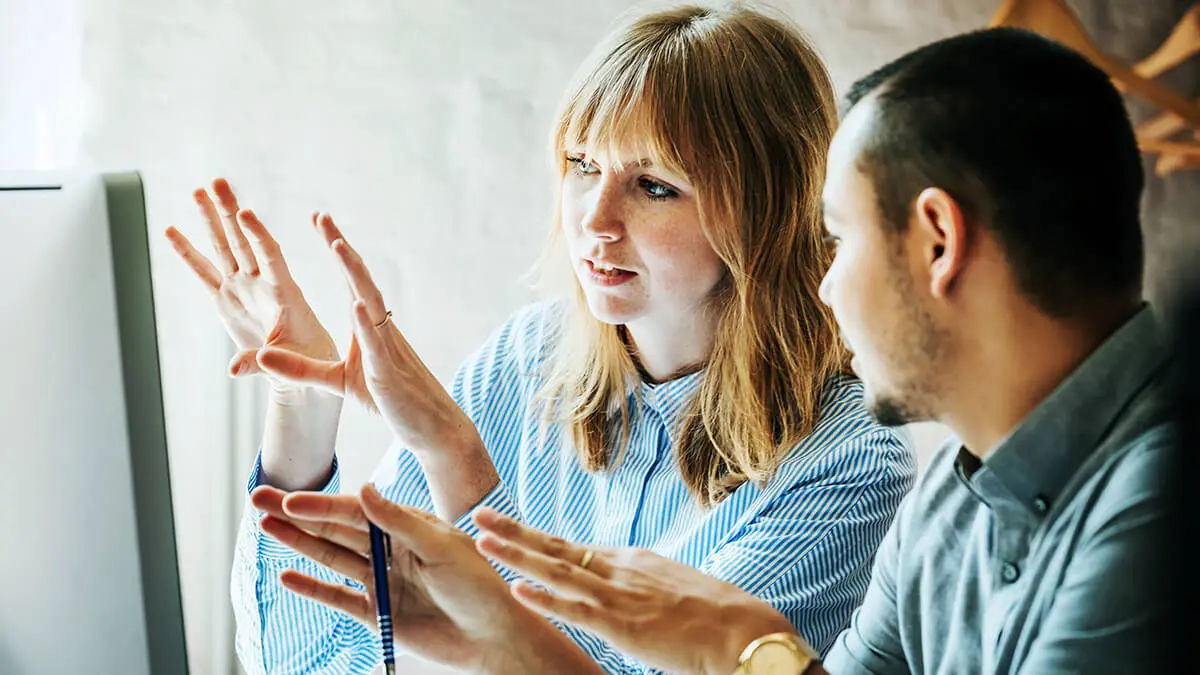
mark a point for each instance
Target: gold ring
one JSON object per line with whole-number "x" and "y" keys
{"x": 385, "y": 319}
{"x": 587, "y": 558}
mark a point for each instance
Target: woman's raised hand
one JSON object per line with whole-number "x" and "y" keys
{"x": 257, "y": 300}
{"x": 381, "y": 371}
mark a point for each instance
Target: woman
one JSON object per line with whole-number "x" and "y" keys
{"x": 688, "y": 396}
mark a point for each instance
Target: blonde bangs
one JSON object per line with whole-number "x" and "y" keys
{"x": 632, "y": 101}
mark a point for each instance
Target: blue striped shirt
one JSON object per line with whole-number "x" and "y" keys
{"x": 804, "y": 542}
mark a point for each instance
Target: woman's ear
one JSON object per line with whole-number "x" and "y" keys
{"x": 941, "y": 234}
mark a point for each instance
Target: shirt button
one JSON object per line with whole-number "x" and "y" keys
{"x": 1040, "y": 504}
{"x": 1009, "y": 572}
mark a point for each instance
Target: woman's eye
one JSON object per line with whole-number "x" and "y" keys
{"x": 832, "y": 242}
{"x": 656, "y": 190}
{"x": 581, "y": 166}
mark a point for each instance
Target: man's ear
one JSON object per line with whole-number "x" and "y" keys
{"x": 942, "y": 236}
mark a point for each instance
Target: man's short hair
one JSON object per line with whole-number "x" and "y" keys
{"x": 1033, "y": 142}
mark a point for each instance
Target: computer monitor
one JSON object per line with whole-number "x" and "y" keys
{"x": 89, "y": 573}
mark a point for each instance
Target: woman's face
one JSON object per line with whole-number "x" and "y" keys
{"x": 633, "y": 234}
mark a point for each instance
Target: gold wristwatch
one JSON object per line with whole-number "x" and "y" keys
{"x": 776, "y": 654}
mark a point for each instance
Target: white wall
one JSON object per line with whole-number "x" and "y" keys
{"x": 421, "y": 125}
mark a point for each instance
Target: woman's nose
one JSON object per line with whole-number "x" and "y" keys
{"x": 604, "y": 218}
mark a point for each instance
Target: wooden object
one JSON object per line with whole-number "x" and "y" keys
{"x": 1180, "y": 45}
{"x": 1055, "y": 19}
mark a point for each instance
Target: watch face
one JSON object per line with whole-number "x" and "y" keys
{"x": 775, "y": 658}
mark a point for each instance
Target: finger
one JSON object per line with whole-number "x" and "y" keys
{"x": 337, "y": 596}
{"x": 326, "y": 553}
{"x": 361, "y": 283}
{"x": 369, "y": 332}
{"x": 216, "y": 232}
{"x": 266, "y": 249}
{"x": 341, "y": 509}
{"x": 324, "y": 225}
{"x": 202, "y": 266}
{"x": 328, "y": 229}
{"x": 558, "y": 574}
{"x": 245, "y": 363}
{"x": 508, "y": 532}
{"x": 577, "y": 612}
{"x": 300, "y": 369}
{"x": 227, "y": 204}
{"x": 343, "y": 535}
{"x": 427, "y": 536}
{"x": 268, "y": 499}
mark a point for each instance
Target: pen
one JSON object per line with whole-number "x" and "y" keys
{"x": 381, "y": 562}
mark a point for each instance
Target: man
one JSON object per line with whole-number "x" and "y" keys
{"x": 993, "y": 283}
{"x": 983, "y": 194}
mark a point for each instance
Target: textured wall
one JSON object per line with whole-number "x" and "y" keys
{"x": 422, "y": 125}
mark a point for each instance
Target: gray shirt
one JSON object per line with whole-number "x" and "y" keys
{"x": 1044, "y": 557}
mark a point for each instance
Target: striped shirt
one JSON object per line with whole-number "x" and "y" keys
{"x": 804, "y": 542}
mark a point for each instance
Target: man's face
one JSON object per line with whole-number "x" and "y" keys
{"x": 874, "y": 287}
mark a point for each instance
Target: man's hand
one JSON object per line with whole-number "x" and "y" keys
{"x": 660, "y": 611}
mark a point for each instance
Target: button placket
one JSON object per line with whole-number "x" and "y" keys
{"x": 1009, "y": 572}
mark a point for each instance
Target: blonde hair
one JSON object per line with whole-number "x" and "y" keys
{"x": 740, "y": 104}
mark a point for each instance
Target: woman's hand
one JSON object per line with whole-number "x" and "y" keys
{"x": 257, "y": 300}
{"x": 660, "y": 611}
{"x": 448, "y": 603}
{"x": 382, "y": 372}
{"x": 262, "y": 307}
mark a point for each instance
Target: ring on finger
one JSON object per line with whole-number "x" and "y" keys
{"x": 386, "y": 317}
{"x": 587, "y": 559}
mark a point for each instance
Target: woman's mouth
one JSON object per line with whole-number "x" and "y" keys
{"x": 603, "y": 274}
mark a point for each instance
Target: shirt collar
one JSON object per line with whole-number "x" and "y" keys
{"x": 672, "y": 400}
{"x": 1035, "y": 461}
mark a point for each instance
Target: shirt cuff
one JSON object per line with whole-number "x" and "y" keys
{"x": 498, "y": 499}
{"x": 269, "y": 547}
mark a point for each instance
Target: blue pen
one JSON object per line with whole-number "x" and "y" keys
{"x": 381, "y": 562}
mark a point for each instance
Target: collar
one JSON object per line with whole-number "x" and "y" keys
{"x": 1032, "y": 465}
{"x": 672, "y": 400}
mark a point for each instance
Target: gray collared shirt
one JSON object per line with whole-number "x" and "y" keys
{"x": 1046, "y": 558}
